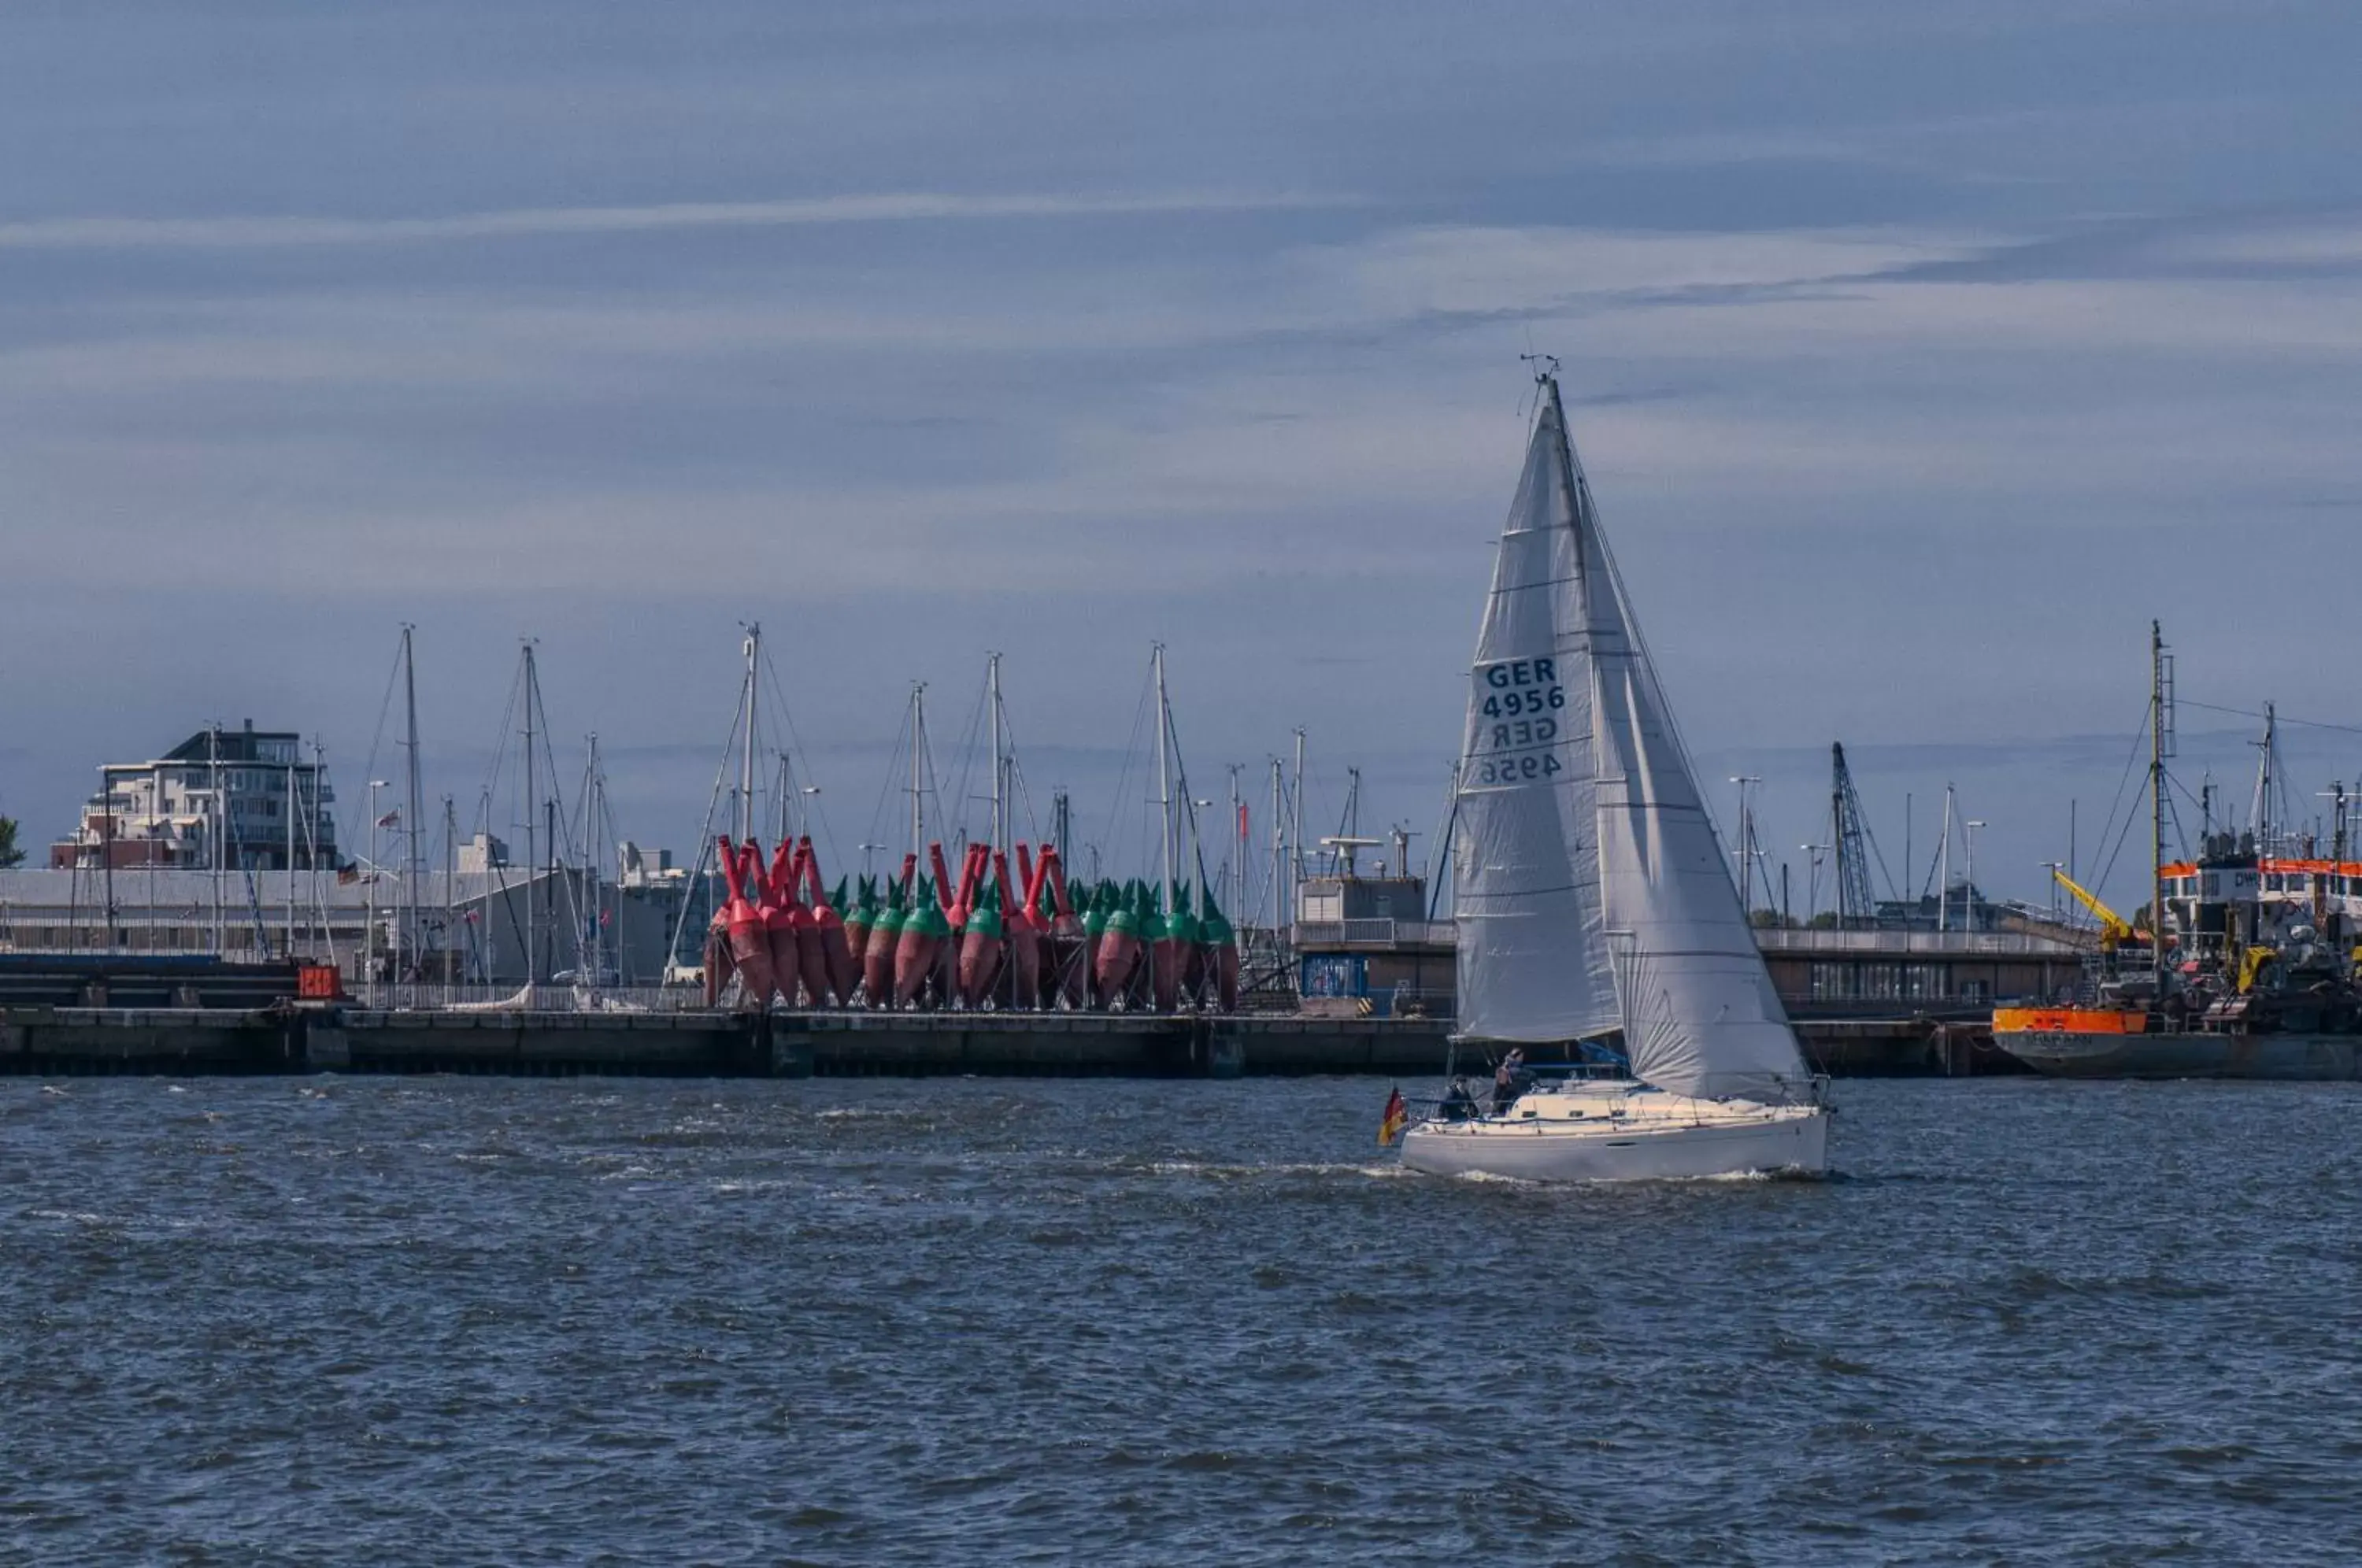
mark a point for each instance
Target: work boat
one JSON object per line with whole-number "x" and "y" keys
{"x": 1596, "y": 918}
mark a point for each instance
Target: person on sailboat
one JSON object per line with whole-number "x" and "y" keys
{"x": 1459, "y": 1103}
{"x": 1510, "y": 1079}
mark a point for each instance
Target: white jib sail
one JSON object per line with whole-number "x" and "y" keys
{"x": 1533, "y": 962}
{"x": 1701, "y": 1015}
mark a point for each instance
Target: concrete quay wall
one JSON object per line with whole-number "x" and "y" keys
{"x": 190, "y": 1040}
{"x": 198, "y": 1041}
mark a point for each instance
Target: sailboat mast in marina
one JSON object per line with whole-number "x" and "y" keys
{"x": 1597, "y": 919}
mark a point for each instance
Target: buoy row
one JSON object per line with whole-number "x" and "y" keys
{"x": 1136, "y": 955}
{"x": 925, "y": 940}
{"x": 779, "y": 932}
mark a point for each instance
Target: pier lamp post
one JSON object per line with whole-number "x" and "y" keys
{"x": 1813, "y": 880}
{"x": 867, "y": 850}
{"x": 1969, "y": 908}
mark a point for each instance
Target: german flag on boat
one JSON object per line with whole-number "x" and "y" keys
{"x": 1390, "y": 1125}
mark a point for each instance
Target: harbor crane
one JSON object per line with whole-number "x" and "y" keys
{"x": 2114, "y": 929}
{"x": 1857, "y": 904}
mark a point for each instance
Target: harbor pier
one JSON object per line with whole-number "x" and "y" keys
{"x": 336, "y": 1038}
{"x": 312, "y": 1039}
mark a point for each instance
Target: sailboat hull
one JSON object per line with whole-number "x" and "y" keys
{"x": 1782, "y": 1139}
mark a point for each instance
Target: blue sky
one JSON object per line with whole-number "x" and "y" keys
{"x": 1919, "y": 356}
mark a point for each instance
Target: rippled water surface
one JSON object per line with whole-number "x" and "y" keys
{"x": 348, "y": 1319}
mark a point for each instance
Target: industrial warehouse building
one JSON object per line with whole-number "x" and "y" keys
{"x": 466, "y": 928}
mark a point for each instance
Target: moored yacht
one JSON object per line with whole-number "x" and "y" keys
{"x": 1595, "y": 912}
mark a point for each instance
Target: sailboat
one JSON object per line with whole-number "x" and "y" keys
{"x": 1595, "y": 915}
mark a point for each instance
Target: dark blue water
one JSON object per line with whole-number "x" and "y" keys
{"x": 337, "y": 1321}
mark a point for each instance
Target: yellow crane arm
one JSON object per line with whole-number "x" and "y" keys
{"x": 2114, "y": 929}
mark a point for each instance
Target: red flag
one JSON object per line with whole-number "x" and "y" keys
{"x": 1391, "y": 1123}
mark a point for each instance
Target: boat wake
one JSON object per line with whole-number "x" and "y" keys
{"x": 1387, "y": 1171}
{"x": 1739, "y": 1179}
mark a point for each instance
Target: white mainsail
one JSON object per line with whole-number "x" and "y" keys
{"x": 1641, "y": 866}
{"x": 1533, "y": 962}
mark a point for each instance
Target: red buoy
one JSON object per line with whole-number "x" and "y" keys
{"x": 980, "y": 944}
{"x": 878, "y": 958}
{"x": 828, "y": 920}
{"x": 778, "y": 904}
{"x": 860, "y": 915}
{"x": 1167, "y": 953}
{"x": 750, "y": 949}
{"x": 812, "y": 958}
{"x": 1064, "y": 955}
{"x": 1024, "y": 933}
{"x": 1119, "y": 952}
{"x": 924, "y": 932}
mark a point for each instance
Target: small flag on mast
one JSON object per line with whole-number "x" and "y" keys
{"x": 1390, "y": 1125}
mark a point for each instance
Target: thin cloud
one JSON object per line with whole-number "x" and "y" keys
{"x": 519, "y": 223}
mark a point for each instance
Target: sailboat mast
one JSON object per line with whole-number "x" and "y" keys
{"x": 1743, "y": 853}
{"x": 1163, "y": 772}
{"x": 407, "y": 945}
{"x": 1234, "y": 882}
{"x": 1944, "y": 868}
{"x": 1278, "y": 846}
{"x": 2157, "y": 723}
{"x": 992, "y": 705}
{"x": 450, "y": 888}
{"x": 594, "y": 801}
{"x": 1296, "y": 830}
{"x": 549, "y": 851}
{"x": 747, "y": 756}
{"x": 1185, "y": 805}
{"x": 322, "y": 945}
{"x": 532, "y": 843}
{"x": 291, "y": 765}
{"x": 918, "y": 752}
{"x": 2267, "y": 831}
{"x": 214, "y": 828}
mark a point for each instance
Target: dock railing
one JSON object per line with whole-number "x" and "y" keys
{"x": 1374, "y": 932}
{"x": 1933, "y": 943}
{"x": 419, "y": 997}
